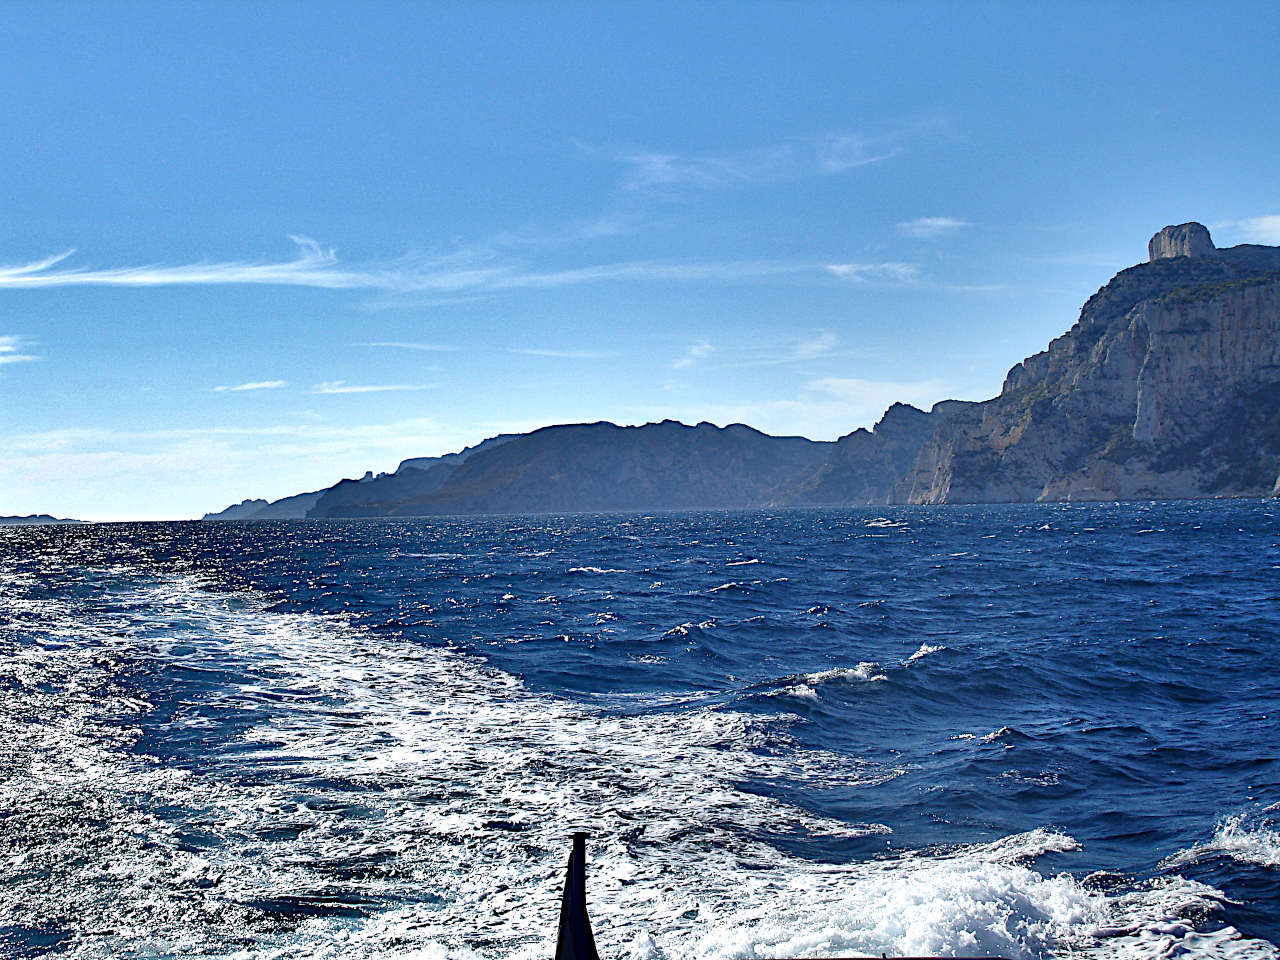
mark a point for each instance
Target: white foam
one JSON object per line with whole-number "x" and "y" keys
{"x": 865, "y": 672}
{"x": 924, "y": 651}
{"x": 1158, "y": 920}
{"x": 1245, "y": 837}
{"x": 807, "y": 685}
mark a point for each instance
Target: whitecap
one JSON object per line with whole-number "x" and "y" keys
{"x": 924, "y": 651}
{"x": 865, "y": 672}
{"x": 1243, "y": 837}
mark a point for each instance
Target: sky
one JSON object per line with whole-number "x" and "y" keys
{"x": 249, "y": 249}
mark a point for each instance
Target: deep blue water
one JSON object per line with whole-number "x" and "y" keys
{"x": 1034, "y": 730}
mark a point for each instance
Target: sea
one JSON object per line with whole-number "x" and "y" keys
{"x": 1027, "y": 731}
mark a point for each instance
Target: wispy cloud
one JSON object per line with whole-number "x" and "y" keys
{"x": 525, "y": 351}
{"x": 879, "y": 394}
{"x": 319, "y": 267}
{"x": 698, "y": 351}
{"x": 814, "y": 346}
{"x": 728, "y": 271}
{"x": 818, "y": 345}
{"x": 930, "y": 228}
{"x": 341, "y": 386}
{"x": 655, "y": 169}
{"x": 11, "y": 350}
{"x": 561, "y": 354}
{"x": 1264, "y": 229}
{"x": 314, "y": 266}
{"x": 253, "y": 385}
{"x": 402, "y": 345}
{"x": 876, "y": 272}
{"x": 839, "y": 152}
{"x": 826, "y": 155}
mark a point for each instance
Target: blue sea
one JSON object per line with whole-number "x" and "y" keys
{"x": 1029, "y": 731}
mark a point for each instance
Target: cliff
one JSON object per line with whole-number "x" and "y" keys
{"x": 1166, "y": 386}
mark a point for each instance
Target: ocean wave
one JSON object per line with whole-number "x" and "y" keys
{"x": 1248, "y": 837}
{"x": 805, "y": 686}
{"x": 867, "y": 671}
{"x": 684, "y": 629}
{"x": 595, "y": 570}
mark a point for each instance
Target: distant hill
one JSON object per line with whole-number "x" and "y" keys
{"x": 287, "y": 508}
{"x": 413, "y": 479}
{"x": 602, "y": 466}
{"x": 34, "y": 520}
{"x": 1167, "y": 386}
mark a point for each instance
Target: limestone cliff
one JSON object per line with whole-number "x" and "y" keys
{"x": 1167, "y": 386}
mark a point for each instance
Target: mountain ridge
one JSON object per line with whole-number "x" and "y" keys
{"x": 35, "y": 520}
{"x": 1167, "y": 386}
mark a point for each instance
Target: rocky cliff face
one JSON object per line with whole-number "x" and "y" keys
{"x": 1167, "y": 386}
{"x": 866, "y": 465}
{"x": 244, "y": 510}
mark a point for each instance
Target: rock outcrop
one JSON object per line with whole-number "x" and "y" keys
{"x": 1184, "y": 240}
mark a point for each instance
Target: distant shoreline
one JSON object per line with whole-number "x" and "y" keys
{"x": 782, "y": 508}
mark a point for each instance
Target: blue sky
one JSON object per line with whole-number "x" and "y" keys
{"x": 246, "y": 250}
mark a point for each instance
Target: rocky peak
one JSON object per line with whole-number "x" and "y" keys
{"x": 1184, "y": 240}
{"x": 901, "y": 417}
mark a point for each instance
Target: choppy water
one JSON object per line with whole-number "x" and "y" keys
{"x": 1033, "y": 730}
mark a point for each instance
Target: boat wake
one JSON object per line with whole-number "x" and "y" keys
{"x": 194, "y": 774}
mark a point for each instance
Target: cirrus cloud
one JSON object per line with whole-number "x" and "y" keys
{"x": 252, "y": 385}
{"x": 930, "y": 228}
{"x": 341, "y": 386}
{"x": 875, "y": 272}
{"x": 12, "y": 350}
